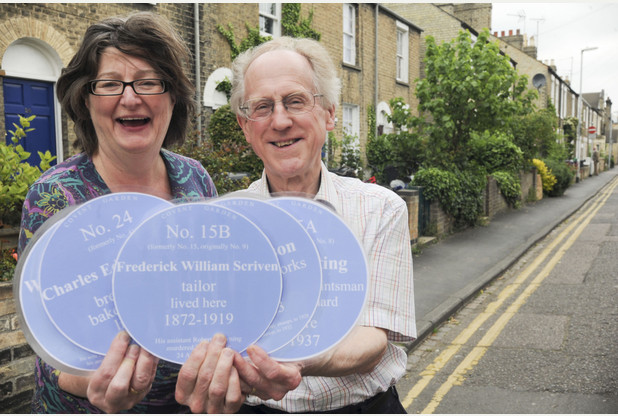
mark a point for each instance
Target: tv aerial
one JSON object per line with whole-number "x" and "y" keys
{"x": 522, "y": 16}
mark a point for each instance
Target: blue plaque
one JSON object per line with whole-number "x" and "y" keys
{"x": 40, "y": 332}
{"x": 300, "y": 267}
{"x": 344, "y": 279}
{"x": 194, "y": 270}
{"x": 77, "y": 266}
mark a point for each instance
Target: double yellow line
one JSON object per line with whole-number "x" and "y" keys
{"x": 470, "y": 361}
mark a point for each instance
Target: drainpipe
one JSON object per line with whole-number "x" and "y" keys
{"x": 375, "y": 83}
{"x": 198, "y": 81}
{"x": 611, "y": 140}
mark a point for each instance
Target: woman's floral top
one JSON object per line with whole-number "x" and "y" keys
{"x": 72, "y": 182}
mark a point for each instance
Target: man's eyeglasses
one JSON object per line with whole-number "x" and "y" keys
{"x": 150, "y": 86}
{"x": 261, "y": 108}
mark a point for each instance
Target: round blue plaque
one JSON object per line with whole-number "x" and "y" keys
{"x": 300, "y": 267}
{"x": 344, "y": 279}
{"x": 192, "y": 271}
{"x": 40, "y": 332}
{"x": 77, "y": 266}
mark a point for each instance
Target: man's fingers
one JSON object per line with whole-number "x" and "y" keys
{"x": 234, "y": 397}
{"x": 196, "y": 376}
{"x": 209, "y": 365}
{"x": 275, "y": 371}
{"x": 187, "y": 376}
{"x": 218, "y": 388}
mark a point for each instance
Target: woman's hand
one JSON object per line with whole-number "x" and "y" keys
{"x": 208, "y": 381}
{"x": 124, "y": 377}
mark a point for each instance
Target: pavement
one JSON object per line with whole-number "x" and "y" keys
{"x": 450, "y": 272}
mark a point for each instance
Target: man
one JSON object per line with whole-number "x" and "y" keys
{"x": 284, "y": 95}
{"x": 595, "y": 159}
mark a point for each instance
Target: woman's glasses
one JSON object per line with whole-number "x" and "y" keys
{"x": 149, "y": 86}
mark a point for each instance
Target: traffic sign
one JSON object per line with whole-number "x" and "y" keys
{"x": 592, "y": 130}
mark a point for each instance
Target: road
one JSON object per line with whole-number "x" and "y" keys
{"x": 542, "y": 338}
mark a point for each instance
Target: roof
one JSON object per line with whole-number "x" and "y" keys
{"x": 593, "y": 99}
{"x": 398, "y": 17}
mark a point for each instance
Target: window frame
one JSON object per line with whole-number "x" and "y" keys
{"x": 276, "y": 19}
{"x": 349, "y": 34}
{"x": 402, "y": 64}
{"x": 350, "y": 113}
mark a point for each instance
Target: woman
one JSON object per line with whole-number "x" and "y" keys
{"x": 128, "y": 96}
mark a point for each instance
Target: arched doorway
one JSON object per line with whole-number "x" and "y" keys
{"x": 31, "y": 69}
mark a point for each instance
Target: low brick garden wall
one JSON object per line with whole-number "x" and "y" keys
{"x": 16, "y": 358}
{"x": 443, "y": 224}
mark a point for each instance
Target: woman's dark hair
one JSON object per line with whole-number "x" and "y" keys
{"x": 143, "y": 35}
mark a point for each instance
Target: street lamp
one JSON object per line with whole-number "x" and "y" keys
{"x": 578, "y": 152}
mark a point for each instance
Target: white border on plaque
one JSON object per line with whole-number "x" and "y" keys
{"x": 345, "y": 279}
{"x": 300, "y": 267}
{"x": 42, "y": 335}
{"x": 76, "y": 272}
{"x": 192, "y": 271}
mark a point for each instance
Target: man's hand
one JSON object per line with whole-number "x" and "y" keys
{"x": 208, "y": 381}
{"x": 359, "y": 352}
{"x": 268, "y": 379}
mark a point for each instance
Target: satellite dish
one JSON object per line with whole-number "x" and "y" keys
{"x": 539, "y": 81}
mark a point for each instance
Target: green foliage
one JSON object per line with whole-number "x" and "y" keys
{"x": 225, "y": 133}
{"x": 468, "y": 102}
{"x": 499, "y": 157}
{"x": 218, "y": 161}
{"x": 535, "y": 133}
{"x": 253, "y": 38}
{"x": 470, "y": 86}
{"x": 460, "y": 193}
{"x": 558, "y": 151}
{"x": 563, "y": 176}
{"x": 226, "y": 152}
{"x": 223, "y": 126}
{"x": 16, "y": 175}
{"x": 379, "y": 154}
{"x": 495, "y": 152}
{"x": 293, "y": 25}
{"x": 329, "y": 149}
{"x": 344, "y": 153}
{"x": 225, "y": 87}
{"x": 371, "y": 122}
{"x": 569, "y": 128}
{"x": 401, "y": 152}
{"x": 8, "y": 261}
{"x": 509, "y": 186}
{"x": 350, "y": 153}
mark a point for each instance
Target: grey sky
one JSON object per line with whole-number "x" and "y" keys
{"x": 564, "y": 29}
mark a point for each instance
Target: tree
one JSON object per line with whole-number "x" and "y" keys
{"x": 535, "y": 133}
{"x": 469, "y": 86}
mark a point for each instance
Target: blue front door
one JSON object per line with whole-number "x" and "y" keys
{"x": 26, "y": 98}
